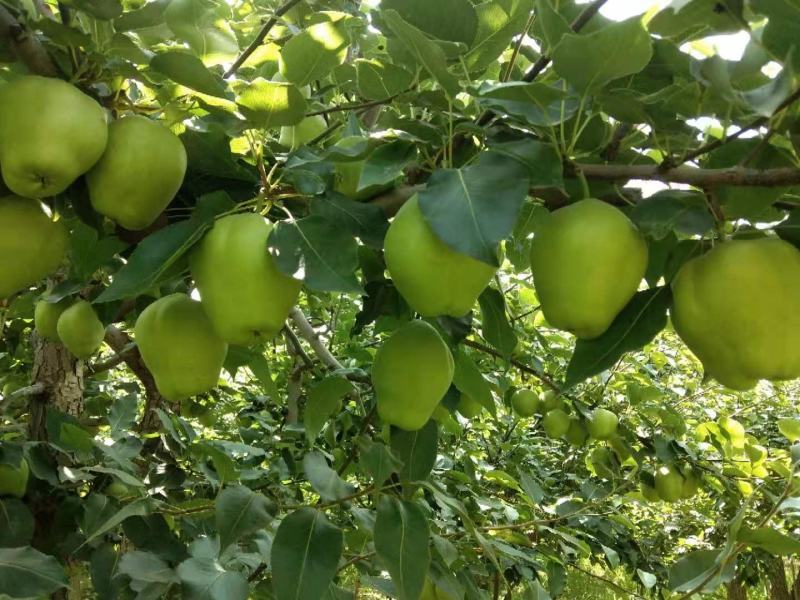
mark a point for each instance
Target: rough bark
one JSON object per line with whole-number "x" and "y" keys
{"x": 25, "y": 46}
{"x": 61, "y": 378}
{"x": 776, "y": 576}
{"x": 736, "y": 591}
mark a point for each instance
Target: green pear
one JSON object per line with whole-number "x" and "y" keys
{"x": 295, "y": 136}
{"x": 51, "y": 133}
{"x": 587, "y": 261}
{"x": 80, "y": 330}
{"x": 411, "y": 374}
{"x": 669, "y": 484}
{"x": 602, "y": 461}
{"x": 117, "y": 489}
{"x": 14, "y": 480}
{"x": 691, "y": 483}
{"x": 348, "y": 174}
{"x": 603, "y": 424}
{"x": 468, "y": 406}
{"x": 45, "y": 318}
{"x": 32, "y": 245}
{"x": 736, "y": 309}
{"x": 576, "y": 434}
{"x": 179, "y": 346}
{"x": 650, "y": 494}
{"x": 525, "y": 402}
{"x": 139, "y": 173}
{"x": 433, "y": 278}
{"x": 247, "y": 298}
{"x": 556, "y": 423}
{"x": 551, "y": 400}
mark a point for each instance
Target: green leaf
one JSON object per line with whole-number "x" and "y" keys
{"x": 385, "y": 164}
{"x": 206, "y": 579}
{"x": 269, "y": 104}
{"x": 550, "y": 25}
{"x": 780, "y": 33}
{"x": 145, "y": 567}
{"x": 590, "y": 61}
{"x": 451, "y": 20}
{"x": 239, "y": 511}
{"x": 494, "y": 322}
{"x": 689, "y": 19}
{"x": 379, "y": 462}
{"x": 149, "y": 15}
{"x": 470, "y": 381}
{"x": 668, "y": 211}
{"x": 314, "y": 52}
{"x": 473, "y": 209}
{"x": 189, "y": 71}
{"x": 26, "y": 573}
{"x": 790, "y": 429}
{"x": 122, "y": 415}
{"x": 378, "y": 80}
{"x": 638, "y": 323}
{"x": 324, "y": 256}
{"x": 158, "y": 252}
{"x": 497, "y": 25}
{"x": 535, "y": 591}
{"x": 695, "y": 567}
{"x": 544, "y": 163}
{"x": 362, "y": 219}
{"x": 426, "y": 52}
{"x": 104, "y": 10}
{"x": 16, "y": 523}
{"x": 324, "y": 399}
{"x": 536, "y": 104}
{"x": 305, "y": 555}
{"x": 198, "y": 23}
{"x": 416, "y": 450}
{"x": 325, "y": 481}
{"x": 774, "y": 542}
{"x": 401, "y": 542}
{"x": 107, "y": 583}
{"x": 139, "y": 508}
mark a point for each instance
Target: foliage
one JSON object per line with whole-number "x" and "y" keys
{"x": 282, "y": 482}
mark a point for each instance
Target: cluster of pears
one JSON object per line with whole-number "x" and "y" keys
{"x": 601, "y": 423}
{"x": 245, "y": 299}
{"x": 51, "y": 133}
{"x": 74, "y": 324}
{"x": 14, "y": 479}
{"x": 669, "y": 483}
{"x": 589, "y": 259}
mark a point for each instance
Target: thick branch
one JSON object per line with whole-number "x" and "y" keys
{"x": 121, "y": 343}
{"x": 25, "y": 46}
{"x": 31, "y": 390}
{"x": 702, "y": 178}
{"x": 308, "y": 334}
{"x": 260, "y": 36}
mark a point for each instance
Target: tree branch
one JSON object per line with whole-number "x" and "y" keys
{"x": 31, "y": 390}
{"x": 260, "y": 36}
{"x": 308, "y": 334}
{"x": 706, "y": 148}
{"x": 121, "y": 343}
{"x": 702, "y": 178}
{"x": 344, "y": 107}
{"x": 25, "y": 46}
{"x": 543, "y": 377}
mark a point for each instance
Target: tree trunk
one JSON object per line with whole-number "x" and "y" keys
{"x": 736, "y": 591}
{"x": 776, "y": 575}
{"x": 61, "y": 374}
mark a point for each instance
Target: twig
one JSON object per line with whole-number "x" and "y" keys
{"x": 702, "y": 178}
{"x": 260, "y": 36}
{"x": 297, "y": 348}
{"x": 706, "y": 148}
{"x": 543, "y": 377}
{"x": 345, "y": 107}
{"x": 608, "y": 582}
{"x": 580, "y": 21}
{"x": 31, "y": 390}
{"x": 25, "y": 46}
{"x": 364, "y": 424}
